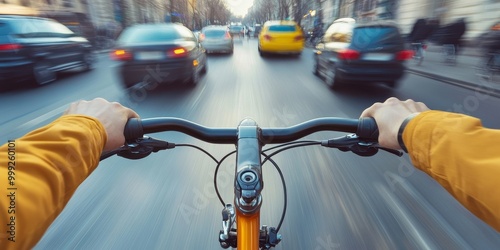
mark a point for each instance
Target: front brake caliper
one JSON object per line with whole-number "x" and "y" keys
{"x": 227, "y": 236}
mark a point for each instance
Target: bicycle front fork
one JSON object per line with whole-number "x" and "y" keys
{"x": 268, "y": 237}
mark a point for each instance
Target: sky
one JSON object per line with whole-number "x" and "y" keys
{"x": 239, "y": 7}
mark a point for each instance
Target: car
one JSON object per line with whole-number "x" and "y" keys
{"x": 216, "y": 39}
{"x": 34, "y": 50}
{"x": 281, "y": 37}
{"x": 256, "y": 30}
{"x": 351, "y": 52}
{"x": 237, "y": 30}
{"x": 159, "y": 53}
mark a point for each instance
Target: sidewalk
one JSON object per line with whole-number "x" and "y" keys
{"x": 463, "y": 73}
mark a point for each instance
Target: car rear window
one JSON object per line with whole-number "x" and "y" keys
{"x": 375, "y": 36}
{"x": 39, "y": 28}
{"x": 282, "y": 28}
{"x": 4, "y": 29}
{"x": 148, "y": 34}
{"x": 214, "y": 33}
{"x": 236, "y": 28}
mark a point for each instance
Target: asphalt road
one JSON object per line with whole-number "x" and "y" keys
{"x": 336, "y": 200}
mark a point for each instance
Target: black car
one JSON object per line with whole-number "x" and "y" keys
{"x": 159, "y": 53}
{"x": 361, "y": 53}
{"x": 35, "y": 49}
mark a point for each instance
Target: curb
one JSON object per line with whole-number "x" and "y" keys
{"x": 483, "y": 89}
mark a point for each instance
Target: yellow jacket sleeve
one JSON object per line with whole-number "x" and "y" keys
{"x": 40, "y": 172}
{"x": 462, "y": 155}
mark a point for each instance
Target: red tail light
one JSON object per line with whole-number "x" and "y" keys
{"x": 298, "y": 38}
{"x": 424, "y": 46}
{"x": 227, "y": 36}
{"x": 10, "y": 46}
{"x": 349, "y": 54}
{"x": 201, "y": 37}
{"x": 177, "y": 52}
{"x": 121, "y": 55}
{"x": 404, "y": 55}
{"x": 267, "y": 37}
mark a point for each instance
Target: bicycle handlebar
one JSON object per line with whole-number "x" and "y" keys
{"x": 365, "y": 128}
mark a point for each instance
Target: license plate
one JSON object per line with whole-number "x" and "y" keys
{"x": 149, "y": 55}
{"x": 378, "y": 56}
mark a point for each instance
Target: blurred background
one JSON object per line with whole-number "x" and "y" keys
{"x": 336, "y": 200}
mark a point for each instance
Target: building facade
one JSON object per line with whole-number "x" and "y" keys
{"x": 479, "y": 14}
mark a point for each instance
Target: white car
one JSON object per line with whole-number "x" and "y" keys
{"x": 216, "y": 39}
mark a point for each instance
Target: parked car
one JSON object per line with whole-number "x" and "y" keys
{"x": 370, "y": 52}
{"x": 216, "y": 39}
{"x": 281, "y": 37}
{"x": 159, "y": 53}
{"x": 237, "y": 30}
{"x": 36, "y": 49}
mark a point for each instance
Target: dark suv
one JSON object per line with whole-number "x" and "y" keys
{"x": 354, "y": 53}
{"x": 33, "y": 48}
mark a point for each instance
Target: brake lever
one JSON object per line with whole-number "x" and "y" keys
{"x": 353, "y": 143}
{"x": 140, "y": 148}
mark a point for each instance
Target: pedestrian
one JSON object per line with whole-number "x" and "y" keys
{"x": 452, "y": 34}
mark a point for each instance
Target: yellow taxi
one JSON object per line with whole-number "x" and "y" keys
{"x": 281, "y": 37}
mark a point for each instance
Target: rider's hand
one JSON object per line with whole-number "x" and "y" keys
{"x": 112, "y": 115}
{"x": 389, "y": 117}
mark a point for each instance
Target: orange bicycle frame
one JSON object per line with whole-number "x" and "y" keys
{"x": 248, "y": 231}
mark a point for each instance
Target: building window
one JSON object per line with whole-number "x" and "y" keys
{"x": 67, "y": 3}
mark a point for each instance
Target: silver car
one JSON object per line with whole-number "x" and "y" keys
{"x": 216, "y": 39}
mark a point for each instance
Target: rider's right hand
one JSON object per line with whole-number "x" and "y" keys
{"x": 389, "y": 117}
{"x": 112, "y": 115}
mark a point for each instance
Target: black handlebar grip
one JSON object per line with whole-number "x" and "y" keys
{"x": 133, "y": 130}
{"x": 367, "y": 128}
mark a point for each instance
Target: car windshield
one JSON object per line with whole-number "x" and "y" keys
{"x": 214, "y": 33}
{"x": 282, "y": 28}
{"x": 375, "y": 36}
{"x": 148, "y": 34}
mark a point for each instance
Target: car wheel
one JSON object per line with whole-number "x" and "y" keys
{"x": 262, "y": 53}
{"x": 88, "y": 61}
{"x": 194, "y": 79}
{"x": 42, "y": 73}
{"x": 316, "y": 67}
{"x": 332, "y": 79}
{"x": 204, "y": 70}
{"x": 393, "y": 84}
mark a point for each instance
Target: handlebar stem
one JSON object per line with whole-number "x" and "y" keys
{"x": 248, "y": 181}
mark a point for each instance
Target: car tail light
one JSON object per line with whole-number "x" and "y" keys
{"x": 121, "y": 55}
{"x": 201, "y": 37}
{"x": 10, "y": 46}
{"x": 177, "y": 52}
{"x": 267, "y": 37}
{"x": 349, "y": 54}
{"x": 227, "y": 36}
{"x": 404, "y": 55}
{"x": 298, "y": 38}
{"x": 424, "y": 46}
